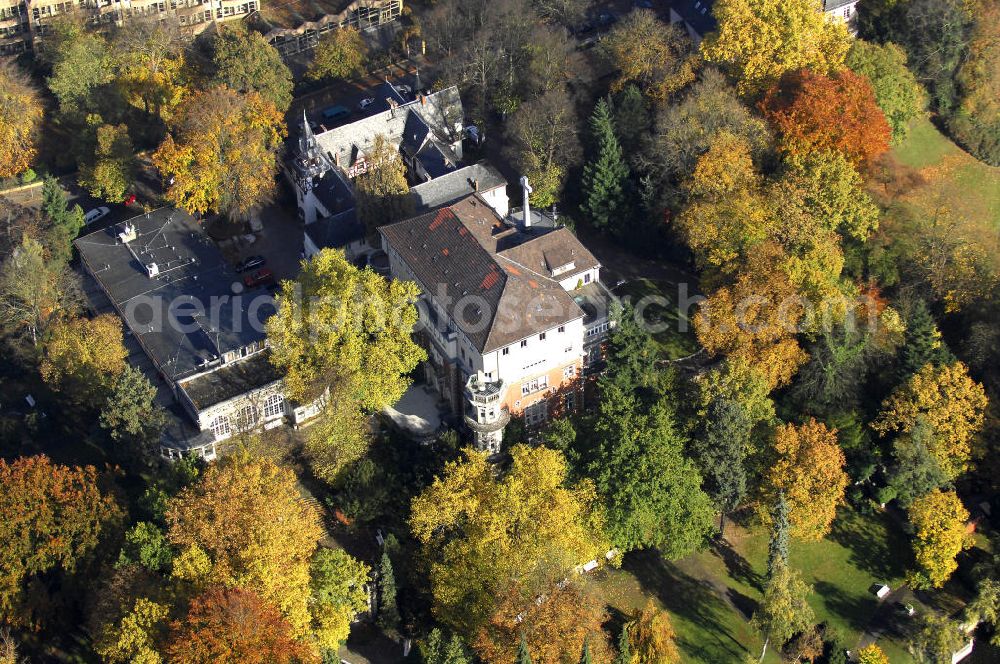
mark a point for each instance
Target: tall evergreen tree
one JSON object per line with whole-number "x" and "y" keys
{"x": 624, "y": 647}
{"x": 777, "y": 547}
{"x": 64, "y": 222}
{"x": 523, "y": 656}
{"x": 585, "y": 657}
{"x": 388, "y": 612}
{"x": 721, "y": 452}
{"x": 922, "y": 343}
{"x": 605, "y": 177}
{"x": 455, "y": 653}
{"x": 632, "y": 120}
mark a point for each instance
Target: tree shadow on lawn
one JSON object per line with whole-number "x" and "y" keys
{"x": 736, "y": 565}
{"x": 695, "y": 600}
{"x": 856, "y": 611}
{"x": 876, "y": 544}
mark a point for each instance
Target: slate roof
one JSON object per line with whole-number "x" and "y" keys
{"x": 191, "y": 313}
{"x": 697, "y": 14}
{"x": 336, "y": 232}
{"x": 231, "y": 380}
{"x": 409, "y": 125}
{"x": 491, "y": 296}
{"x": 833, "y": 5}
{"x": 456, "y": 185}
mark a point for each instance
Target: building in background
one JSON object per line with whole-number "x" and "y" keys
{"x": 695, "y": 16}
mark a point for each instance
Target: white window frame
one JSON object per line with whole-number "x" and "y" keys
{"x": 222, "y": 427}
{"x": 534, "y": 385}
{"x": 274, "y": 406}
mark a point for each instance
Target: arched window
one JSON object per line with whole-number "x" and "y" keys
{"x": 222, "y": 427}
{"x": 274, "y": 406}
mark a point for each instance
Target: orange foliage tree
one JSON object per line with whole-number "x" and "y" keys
{"x": 233, "y": 626}
{"x": 554, "y": 628}
{"x": 813, "y": 113}
{"x": 808, "y": 470}
{"x": 51, "y": 516}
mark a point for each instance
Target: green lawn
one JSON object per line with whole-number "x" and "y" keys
{"x": 711, "y": 594}
{"x": 953, "y": 179}
{"x": 656, "y": 302}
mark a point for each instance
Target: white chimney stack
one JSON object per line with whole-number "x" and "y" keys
{"x": 526, "y": 190}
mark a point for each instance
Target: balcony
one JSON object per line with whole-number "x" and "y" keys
{"x": 482, "y": 392}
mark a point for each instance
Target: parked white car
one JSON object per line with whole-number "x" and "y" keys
{"x": 95, "y": 214}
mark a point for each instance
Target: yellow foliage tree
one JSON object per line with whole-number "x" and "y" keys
{"x": 347, "y": 328}
{"x": 340, "y": 54}
{"x": 134, "y": 639}
{"x": 657, "y": 56}
{"x": 652, "y": 637}
{"x": 484, "y": 537}
{"x": 948, "y": 400}
{"x": 755, "y": 320}
{"x": 939, "y": 521}
{"x": 20, "y": 113}
{"x": 221, "y": 153}
{"x": 554, "y": 628}
{"x": 808, "y": 469}
{"x": 760, "y": 40}
{"x": 84, "y": 355}
{"x": 872, "y": 655}
{"x": 248, "y": 518}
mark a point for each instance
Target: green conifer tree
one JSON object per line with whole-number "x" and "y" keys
{"x": 624, "y": 647}
{"x": 456, "y": 654}
{"x": 388, "y": 612}
{"x": 922, "y": 343}
{"x": 585, "y": 657}
{"x": 777, "y": 548}
{"x": 64, "y": 222}
{"x": 523, "y": 656}
{"x": 605, "y": 177}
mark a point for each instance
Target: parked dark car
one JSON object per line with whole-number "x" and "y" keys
{"x": 258, "y": 278}
{"x": 250, "y": 263}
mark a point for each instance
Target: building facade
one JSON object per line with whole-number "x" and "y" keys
{"x": 511, "y": 312}
{"x": 197, "y": 325}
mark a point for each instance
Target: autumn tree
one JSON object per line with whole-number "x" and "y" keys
{"x": 349, "y": 328}
{"x": 783, "y": 610}
{"x": 653, "y": 637}
{"x": 754, "y": 321}
{"x": 813, "y": 112}
{"x": 896, "y": 90}
{"x": 244, "y": 61}
{"x": 339, "y": 54}
{"x": 975, "y": 121}
{"x": 761, "y": 40}
{"x": 232, "y": 625}
{"x": 478, "y": 549}
{"x": 247, "y": 522}
{"x": 52, "y": 517}
{"x": 872, "y": 654}
{"x": 111, "y": 171}
{"x": 605, "y": 176}
{"x": 656, "y": 56}
{"x": 938, "y": 520}
{"x": 686, "y": 129}
{"x": 947, "y": 400}
{"x": 543, "y": 144}
{"x": 808, "y": 470}
{"x": 151, "y": 71}
{"x": 221, "y": 153}
{"x": 135, "y": 638}
{"x": 553, "y": 629}
{"x": 20, "y": 115}
{"x": 339, "y": 586}
{"x": 382, "y": 192}
{"x": 33, "y": 290}
{"x": 83, "y": 356}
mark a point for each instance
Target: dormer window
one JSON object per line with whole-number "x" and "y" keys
{"x": 562, "y": 269}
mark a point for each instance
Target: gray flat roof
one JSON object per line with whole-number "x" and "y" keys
{"x": 231, "y": 380}
{"x": 194, "y": 310}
